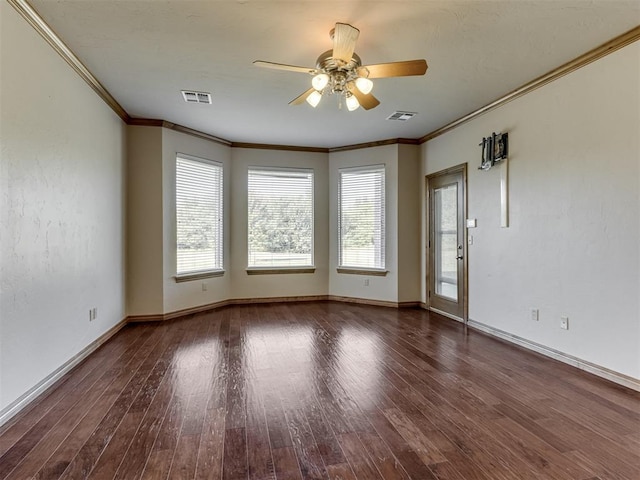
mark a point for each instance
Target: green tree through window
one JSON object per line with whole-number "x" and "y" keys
{"x": 280, "y": 217}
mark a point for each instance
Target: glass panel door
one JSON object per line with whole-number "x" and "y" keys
{"x": 447, "y": 264}
{"x": 446, "y": 241}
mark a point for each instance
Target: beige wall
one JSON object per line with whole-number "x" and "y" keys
{"x": 153, "y": 290}
{"x": 144, "y": 221}
{"x": 279, "y": 285}
{"x": 62, "y": 209}
{"x": 572, "y": 247}
{"x": 347, "y": 285}
{"x": 402, "y": 219}
{"x": 152, "y": 296}
{"x": 409, "y": 223}
{"x": 152, "y": 287}
{"x": 184, "y": 295}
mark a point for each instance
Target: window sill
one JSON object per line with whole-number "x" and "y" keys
{"x": 374, "y": 272}
{"x": 279, "y": 270}
{"x": 187, "y": 277}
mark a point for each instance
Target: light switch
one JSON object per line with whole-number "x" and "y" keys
{"x": 472, "y": 223}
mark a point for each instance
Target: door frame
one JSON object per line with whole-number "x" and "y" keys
{"x": 461, "y": 169}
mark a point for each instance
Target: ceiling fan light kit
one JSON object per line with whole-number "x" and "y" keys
{"x": 340, "y": 71}
{"x": 352, "y": 103}
{"x": 320, "y": 81}
{"x": 314, "y": 98}
{"x": 364, "y": 85}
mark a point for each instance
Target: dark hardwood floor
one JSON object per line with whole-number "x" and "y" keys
{"x": 322, "y": 390}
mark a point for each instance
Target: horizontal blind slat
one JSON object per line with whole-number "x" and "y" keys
{"x": 361, "y": 217}
{"x": 199, "y": 215}
{"x": 280, "y": 217}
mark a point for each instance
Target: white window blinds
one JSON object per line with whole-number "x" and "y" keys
{"x": 361, "y": 210}
{"x": 280, "y": 216}
{"x": 199, "y": 215}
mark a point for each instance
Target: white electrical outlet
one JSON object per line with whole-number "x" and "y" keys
{"x": 564, "y": 323}
{"x": 535, "y": 314}
{"x": 366, "y": 282}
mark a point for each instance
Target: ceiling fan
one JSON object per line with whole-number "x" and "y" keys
{"x": 340, "y": 71}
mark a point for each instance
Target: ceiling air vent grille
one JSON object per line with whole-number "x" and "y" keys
{"x": 196, "y": 97}
{"x": 401, "y": 116}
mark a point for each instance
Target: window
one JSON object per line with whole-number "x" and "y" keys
{"x": 361, "y": 217}
{"x": 280, "y": 215}
{"x": 199, "y": 215}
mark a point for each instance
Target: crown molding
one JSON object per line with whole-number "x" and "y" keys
{"x": 268, "y": 146}
{"x": 145, "y": 122}
{"x": 38, "y": 23}
{"x": 606, "y": 48}
{"x": 195, "y": 133}
{"x": 377, "y": 143}
{"x": 45, "y": 31}
{"x": 155, "y": 122}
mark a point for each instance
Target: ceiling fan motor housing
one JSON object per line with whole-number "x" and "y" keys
{"x": 339, "y": 72}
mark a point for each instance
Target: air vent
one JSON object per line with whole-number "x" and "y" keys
{"x": 401, "y": 116}
{"x": 196, "y": 97}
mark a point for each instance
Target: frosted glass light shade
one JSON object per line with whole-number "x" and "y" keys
{"x": 364, "y": 84}
{"x": 314, "y": 98}
{"x": 352, "y": 103}
{"x": 320, "y": 81}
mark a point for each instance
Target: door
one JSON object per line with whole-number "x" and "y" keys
{"x": 447, "y": 243}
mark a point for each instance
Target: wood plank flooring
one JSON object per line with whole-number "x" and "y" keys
{"x": 322, "y": 391}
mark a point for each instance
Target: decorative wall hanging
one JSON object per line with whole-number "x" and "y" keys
{"x": 494, "y": 149}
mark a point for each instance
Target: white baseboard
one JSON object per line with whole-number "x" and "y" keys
{"x": 24, "y": 400}
{"x": 619, "y": 378}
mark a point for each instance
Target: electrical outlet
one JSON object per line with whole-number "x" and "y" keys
{"x": 366, "y": 282}
{"x": 535, "y": 314}
{"x": 204, "y": 286}
{"x": 95, "y": 313}
{"x": 564, "y": 323}
{"x": 90, "y": 314}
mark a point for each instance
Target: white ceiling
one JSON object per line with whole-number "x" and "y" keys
{"x": 145, "y": 52}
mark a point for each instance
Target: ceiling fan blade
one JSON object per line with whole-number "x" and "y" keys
{"x": 396, "y": 69}
{"x": 344, "y": 41}
{"x": 282, "y": 66}
{"x": 366, "y": 100}
{"x": 301, "y": 98}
